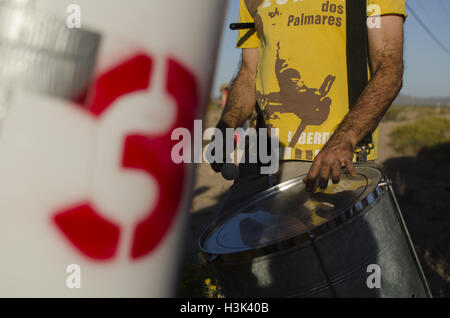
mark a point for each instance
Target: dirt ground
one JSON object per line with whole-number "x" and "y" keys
{"x": 423, "y": 191}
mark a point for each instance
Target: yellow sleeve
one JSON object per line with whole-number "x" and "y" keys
{"x": 383, "y": 7}
{"x": 246, "y": 17}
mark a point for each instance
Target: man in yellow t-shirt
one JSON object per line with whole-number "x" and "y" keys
{"x": 295, "y": 67}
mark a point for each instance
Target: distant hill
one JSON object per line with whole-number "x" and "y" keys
{"x": 421, "y": 101}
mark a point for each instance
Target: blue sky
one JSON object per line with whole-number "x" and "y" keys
{"x": 427, "y": 71}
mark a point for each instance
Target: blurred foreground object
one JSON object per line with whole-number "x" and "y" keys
{"x": 91, "y": 203}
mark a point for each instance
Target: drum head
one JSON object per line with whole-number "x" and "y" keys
{"x": 285, "y": 212}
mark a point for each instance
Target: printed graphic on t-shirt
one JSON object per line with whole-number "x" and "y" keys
{"x": 252, "y": 6}
{"x": 311, "y": 105}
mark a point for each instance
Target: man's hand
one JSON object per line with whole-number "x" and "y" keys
{"x": 217, "y": 166}
{"x": 336, "y": 154}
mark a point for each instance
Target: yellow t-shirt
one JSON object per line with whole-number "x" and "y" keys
{"x": 301, "y": 83}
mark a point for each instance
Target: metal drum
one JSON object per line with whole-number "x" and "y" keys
{"x": 285, "y": 242}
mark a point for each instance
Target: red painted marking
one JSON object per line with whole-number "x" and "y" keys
{"x": 95, "y": 236}
{"x": 150, "y": 154}
{"x": 129, "y": 77}
{"x": 153, "y": 155}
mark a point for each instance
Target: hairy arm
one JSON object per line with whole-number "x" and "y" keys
{"x": 386, "y": 62}
{"x": 386, "y": 66}
{"x": 242, "y": 97}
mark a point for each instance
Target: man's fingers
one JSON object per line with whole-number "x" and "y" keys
{"x": 310, "y": 179}
{"x": 324, "y": 174}
{"x": 336, "y": 171}
{"x": 350, "y": 167}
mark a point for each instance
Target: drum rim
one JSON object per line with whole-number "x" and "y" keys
{"x": 357, "y": 208}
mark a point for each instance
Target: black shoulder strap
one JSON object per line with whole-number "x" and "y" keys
{"x": 357, "y": 52}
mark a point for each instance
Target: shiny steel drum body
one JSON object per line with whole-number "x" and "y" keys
{"x": 274, "y": 246}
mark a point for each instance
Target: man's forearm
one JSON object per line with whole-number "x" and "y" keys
{"x": 372, "y": 105}
{"x": 386, "y": 63}
{"x": 241, "y": 100}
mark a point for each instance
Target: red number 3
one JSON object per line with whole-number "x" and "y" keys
{"x": 90, "y": 232}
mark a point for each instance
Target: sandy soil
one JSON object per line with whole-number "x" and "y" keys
{"x": 423, "y": 192}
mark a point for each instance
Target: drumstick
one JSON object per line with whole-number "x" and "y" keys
{"x": 242, "y": 26}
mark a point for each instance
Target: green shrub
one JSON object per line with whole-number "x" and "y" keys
{"x": 198, "y": 281}
{"x": 445, "y": 110}
{"x": 395, "y": 113}
{"x": 426, "y": 132}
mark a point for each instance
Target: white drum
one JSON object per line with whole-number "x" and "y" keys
{"x": 91, "y": 203}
